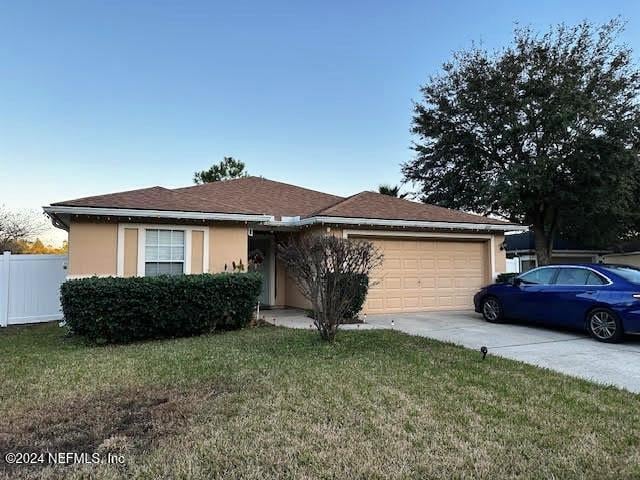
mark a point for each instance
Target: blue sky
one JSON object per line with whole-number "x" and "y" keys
{"x": 101, "y": 96}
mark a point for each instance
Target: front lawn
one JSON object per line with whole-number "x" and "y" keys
{"x": 278, "y": 403}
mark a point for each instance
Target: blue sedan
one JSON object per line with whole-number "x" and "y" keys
{"x": 603, "y": 299}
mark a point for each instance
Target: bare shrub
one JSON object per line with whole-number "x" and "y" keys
{"x": 329, "y": 272}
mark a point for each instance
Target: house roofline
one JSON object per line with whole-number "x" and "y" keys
{"x": 141, "y": 213}
{"x": 399, "y": 223}
{"x": 55, "y": 211}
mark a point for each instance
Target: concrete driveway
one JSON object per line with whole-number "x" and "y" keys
{"x": 573, "y": 353}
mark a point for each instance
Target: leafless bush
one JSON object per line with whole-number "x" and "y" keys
{"x": 329, "y": 271}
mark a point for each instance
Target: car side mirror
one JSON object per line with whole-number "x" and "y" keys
{"x": 516, "y": 282}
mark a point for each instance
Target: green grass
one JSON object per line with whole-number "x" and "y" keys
{"x": 278, "y": 403}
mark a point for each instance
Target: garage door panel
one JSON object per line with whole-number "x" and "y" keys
{"x": 393, "y": 282}
{"x": 428, "y": 263}
{"x": 411, "y": 302}
{"x": 375, "y": 304}
{"x": 393, "y": 263}
{"x": 429, "y": 302}
{"x": 410, "y": 282}
{"x": 427, "y": 274}
{"x": 412, "y": 263}
{"x": 393, "y": 302}
{"x": 445, "y": 301}
{"x": 428, "y": 282}
{"x": 445, "y": 262}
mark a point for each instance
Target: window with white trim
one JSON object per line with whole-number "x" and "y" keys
{"x": 164, "y": 252}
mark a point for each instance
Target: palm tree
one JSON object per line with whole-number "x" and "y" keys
{"x": 392, "y": 191}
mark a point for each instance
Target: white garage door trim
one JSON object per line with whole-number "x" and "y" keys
{"x": 453, "y": 236}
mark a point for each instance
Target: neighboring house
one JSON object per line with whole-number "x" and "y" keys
{"x": 434, "y": 258}
{"x": 520, "y": 247}
{"x": 627, "y": 258}
{"x": 625, "y": 252}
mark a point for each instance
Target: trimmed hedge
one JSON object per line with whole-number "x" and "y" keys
{"x": 121, "y": 310}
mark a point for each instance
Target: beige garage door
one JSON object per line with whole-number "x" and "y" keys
{"x": 427, "y": 275}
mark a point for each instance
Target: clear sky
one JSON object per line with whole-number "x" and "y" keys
{"x": 102, "y": 96}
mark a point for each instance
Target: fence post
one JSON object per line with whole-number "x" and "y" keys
{"x": 4, "y": 289}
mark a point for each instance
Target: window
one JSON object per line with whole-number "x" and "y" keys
{"x": 164, "y": 252}
{"x": 540, "y": 276}
{"x": 630, "y": 274}
{"x": 572, "y": 276}
{"x": 595, "y": 279}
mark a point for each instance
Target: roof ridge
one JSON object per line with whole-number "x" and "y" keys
{"x": 397, "y": 201}
{"x": 255, "y": 177}
{"x": 438, "y": 207}
{"x": 333, "y": 205}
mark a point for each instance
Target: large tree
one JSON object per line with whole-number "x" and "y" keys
{"x": 226, "y": 169}
{"x": 544, "y": 132}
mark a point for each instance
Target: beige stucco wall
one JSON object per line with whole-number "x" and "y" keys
{"x": 130, "y": 252}
{"x": 197, "y": 251}
{"x": 294, "y": 297}
{"x": 227, "y": 244}
{"x": 92, "y": 248}
{"x": 500, "y": 254}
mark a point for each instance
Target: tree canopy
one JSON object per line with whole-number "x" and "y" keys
{"x": 226, "y": 169}
{"x": 544, "y": 132}
{"x": 391, "y": 190}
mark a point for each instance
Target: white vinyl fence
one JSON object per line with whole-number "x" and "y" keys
{"x": 30, "y": 288}
{"x": 513, "y": 265}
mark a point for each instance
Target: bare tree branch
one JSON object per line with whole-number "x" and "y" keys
{"x": 18, "y": 226}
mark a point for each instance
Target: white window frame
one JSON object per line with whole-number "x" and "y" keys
{"x": 142, "y": 231}
{"x": 171, "y": 245}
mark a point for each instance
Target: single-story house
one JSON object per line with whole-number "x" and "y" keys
{"x": 521, "y": 248}
{"x": 434, "y": 257}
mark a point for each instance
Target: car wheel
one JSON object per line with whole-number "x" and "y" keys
{"x": 604, "y": 325}
{"x": 492, "y": 310}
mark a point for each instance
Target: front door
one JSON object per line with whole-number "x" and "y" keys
{"x": 261, "y": 260}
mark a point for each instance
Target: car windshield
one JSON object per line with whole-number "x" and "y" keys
{"x": 630, "y": 274}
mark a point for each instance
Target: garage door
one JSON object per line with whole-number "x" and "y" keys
{"x": 423, "y": 274}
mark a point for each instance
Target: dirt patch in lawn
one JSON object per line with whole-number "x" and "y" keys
{"x": 115, "y": 421}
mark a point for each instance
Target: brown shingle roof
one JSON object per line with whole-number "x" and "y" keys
{"x": 256, "y": 195}
{"x": 376, "y": 205}
{"x": 153, "y": 198}
{"x": 260, "y": 195}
